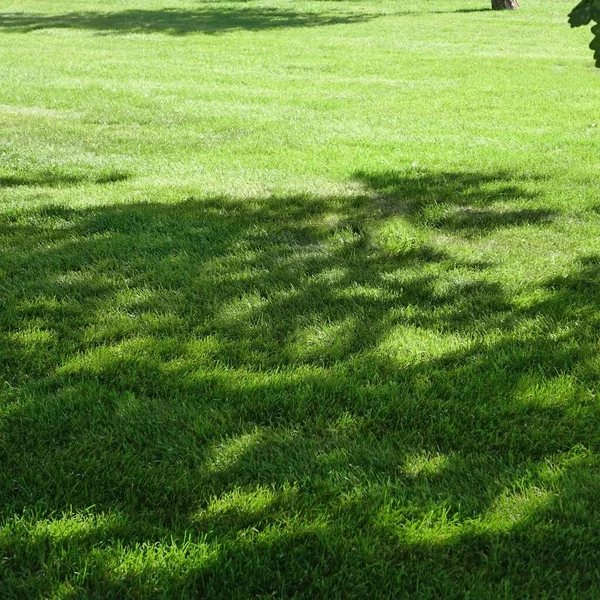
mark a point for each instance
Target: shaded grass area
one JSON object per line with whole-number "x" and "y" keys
{"x": 57, "y": 177}
{"x": 177, "y": 21}
{"x": 285, "y": 389}
{"x": 209, "y": 20}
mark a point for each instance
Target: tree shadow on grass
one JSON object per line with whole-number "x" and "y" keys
{"x": 176, "y": 21}
{"x": 223, "y": 387}
{"x": 465, "y": 10}
{"x": 466, "y": 204}
{"x": 58, "y": 178}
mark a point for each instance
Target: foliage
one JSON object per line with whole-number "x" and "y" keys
{"x": 583, "y": 14}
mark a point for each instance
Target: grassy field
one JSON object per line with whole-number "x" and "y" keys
{"x": 298, "y": 299}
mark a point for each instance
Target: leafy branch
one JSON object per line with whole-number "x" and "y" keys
{"x": 583, "y": 14}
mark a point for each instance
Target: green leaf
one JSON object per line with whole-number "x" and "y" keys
{"x": 583, "y": 13}
{"x": 595, "y": 43}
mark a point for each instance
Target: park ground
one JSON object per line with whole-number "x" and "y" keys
{"x": 298, "y": 299}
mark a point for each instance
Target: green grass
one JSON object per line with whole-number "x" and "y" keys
{"x": 298, "y": 299}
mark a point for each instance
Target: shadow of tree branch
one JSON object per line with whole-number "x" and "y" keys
{"x": 233, "y": 379}
{"x": 175, "y": 21}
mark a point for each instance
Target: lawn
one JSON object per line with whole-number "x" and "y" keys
{"x": 298, "y": 299}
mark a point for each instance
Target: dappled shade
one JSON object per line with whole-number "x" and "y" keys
{"x": 60, "y": 178}
{"x": 210, "y": 370}
{"x": 176, "y": 21}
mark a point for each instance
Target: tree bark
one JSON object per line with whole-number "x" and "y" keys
{"x": 505, "y": 4}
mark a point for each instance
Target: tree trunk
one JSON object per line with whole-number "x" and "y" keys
{"x": 505, "y": 4}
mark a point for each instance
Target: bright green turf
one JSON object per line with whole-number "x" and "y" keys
{"x": 298, "y": 299}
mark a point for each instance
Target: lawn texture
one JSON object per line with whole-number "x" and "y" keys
{"x": 298, "y": 300}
